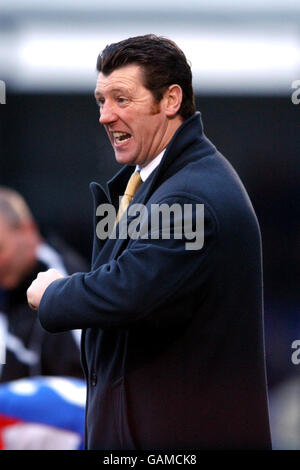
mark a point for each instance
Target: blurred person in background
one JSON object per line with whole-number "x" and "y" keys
{"x": 173, "y": 347}
{"x": 29, "y": 349}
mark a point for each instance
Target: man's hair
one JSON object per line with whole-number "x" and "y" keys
{"x": 13, "y": 207}
{"x": 162, "y": 62}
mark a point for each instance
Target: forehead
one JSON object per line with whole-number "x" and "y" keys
{"x": 127, "y": 78}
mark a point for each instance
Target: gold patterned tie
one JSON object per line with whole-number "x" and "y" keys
{"x": 133, "y": 185}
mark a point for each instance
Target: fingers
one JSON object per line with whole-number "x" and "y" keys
{"x": 39, "y": 285}
{"x": 31, "y": 294}
{"x": 33, "y": 307}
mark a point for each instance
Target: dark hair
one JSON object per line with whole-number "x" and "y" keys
{"x": 163, "y": 64}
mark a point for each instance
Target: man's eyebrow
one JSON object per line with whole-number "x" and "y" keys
{"x": 98, "y": 94}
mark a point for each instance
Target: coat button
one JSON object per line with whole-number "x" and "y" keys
{"x": 93, "y": 379}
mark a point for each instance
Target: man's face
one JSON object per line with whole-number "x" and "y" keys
{"x": 137, "y": 126}
{"x": 14, "y": 256}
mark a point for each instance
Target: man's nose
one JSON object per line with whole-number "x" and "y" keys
{"x": 107, "y": 114}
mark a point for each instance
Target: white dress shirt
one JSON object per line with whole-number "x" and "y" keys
{"x": 146, "y": 171}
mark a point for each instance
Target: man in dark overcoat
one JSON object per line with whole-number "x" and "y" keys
{"x": 172, "y": 344}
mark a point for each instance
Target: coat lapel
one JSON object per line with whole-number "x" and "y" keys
{"x": 99, "y": 197}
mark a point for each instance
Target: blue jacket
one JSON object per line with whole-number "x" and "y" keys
{"x": 173, "y": 348}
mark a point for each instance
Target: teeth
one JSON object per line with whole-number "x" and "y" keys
{"x": 118, "y": 134}
{"x": 121, "y": 136}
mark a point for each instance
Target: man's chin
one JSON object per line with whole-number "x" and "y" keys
{"x": 125, "y": 158}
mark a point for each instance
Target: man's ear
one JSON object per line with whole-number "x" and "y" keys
{"x": 173, "y": 97}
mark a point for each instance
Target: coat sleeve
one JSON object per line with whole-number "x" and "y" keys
{"x": 149, "y": 273}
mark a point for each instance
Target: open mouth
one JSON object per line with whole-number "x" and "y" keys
{"x": 120, "y": 137}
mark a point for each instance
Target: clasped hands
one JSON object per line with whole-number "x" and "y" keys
{"x": 37, "y": 288}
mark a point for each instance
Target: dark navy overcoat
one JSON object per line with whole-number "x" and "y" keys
{"x": 172, "y": 346}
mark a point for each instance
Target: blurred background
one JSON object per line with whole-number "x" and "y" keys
{"x": 245, "y": 57}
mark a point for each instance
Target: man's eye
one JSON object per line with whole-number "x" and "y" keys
{"x": 122, "y": 100}
{"x": 100, "y": 102}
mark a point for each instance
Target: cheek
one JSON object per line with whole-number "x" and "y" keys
{"x": 151, "y": 129}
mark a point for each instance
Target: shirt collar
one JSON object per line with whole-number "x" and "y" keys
{"x": 147, "y": 170}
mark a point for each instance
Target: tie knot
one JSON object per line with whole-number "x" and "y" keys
{"x": 133, "y": 185}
